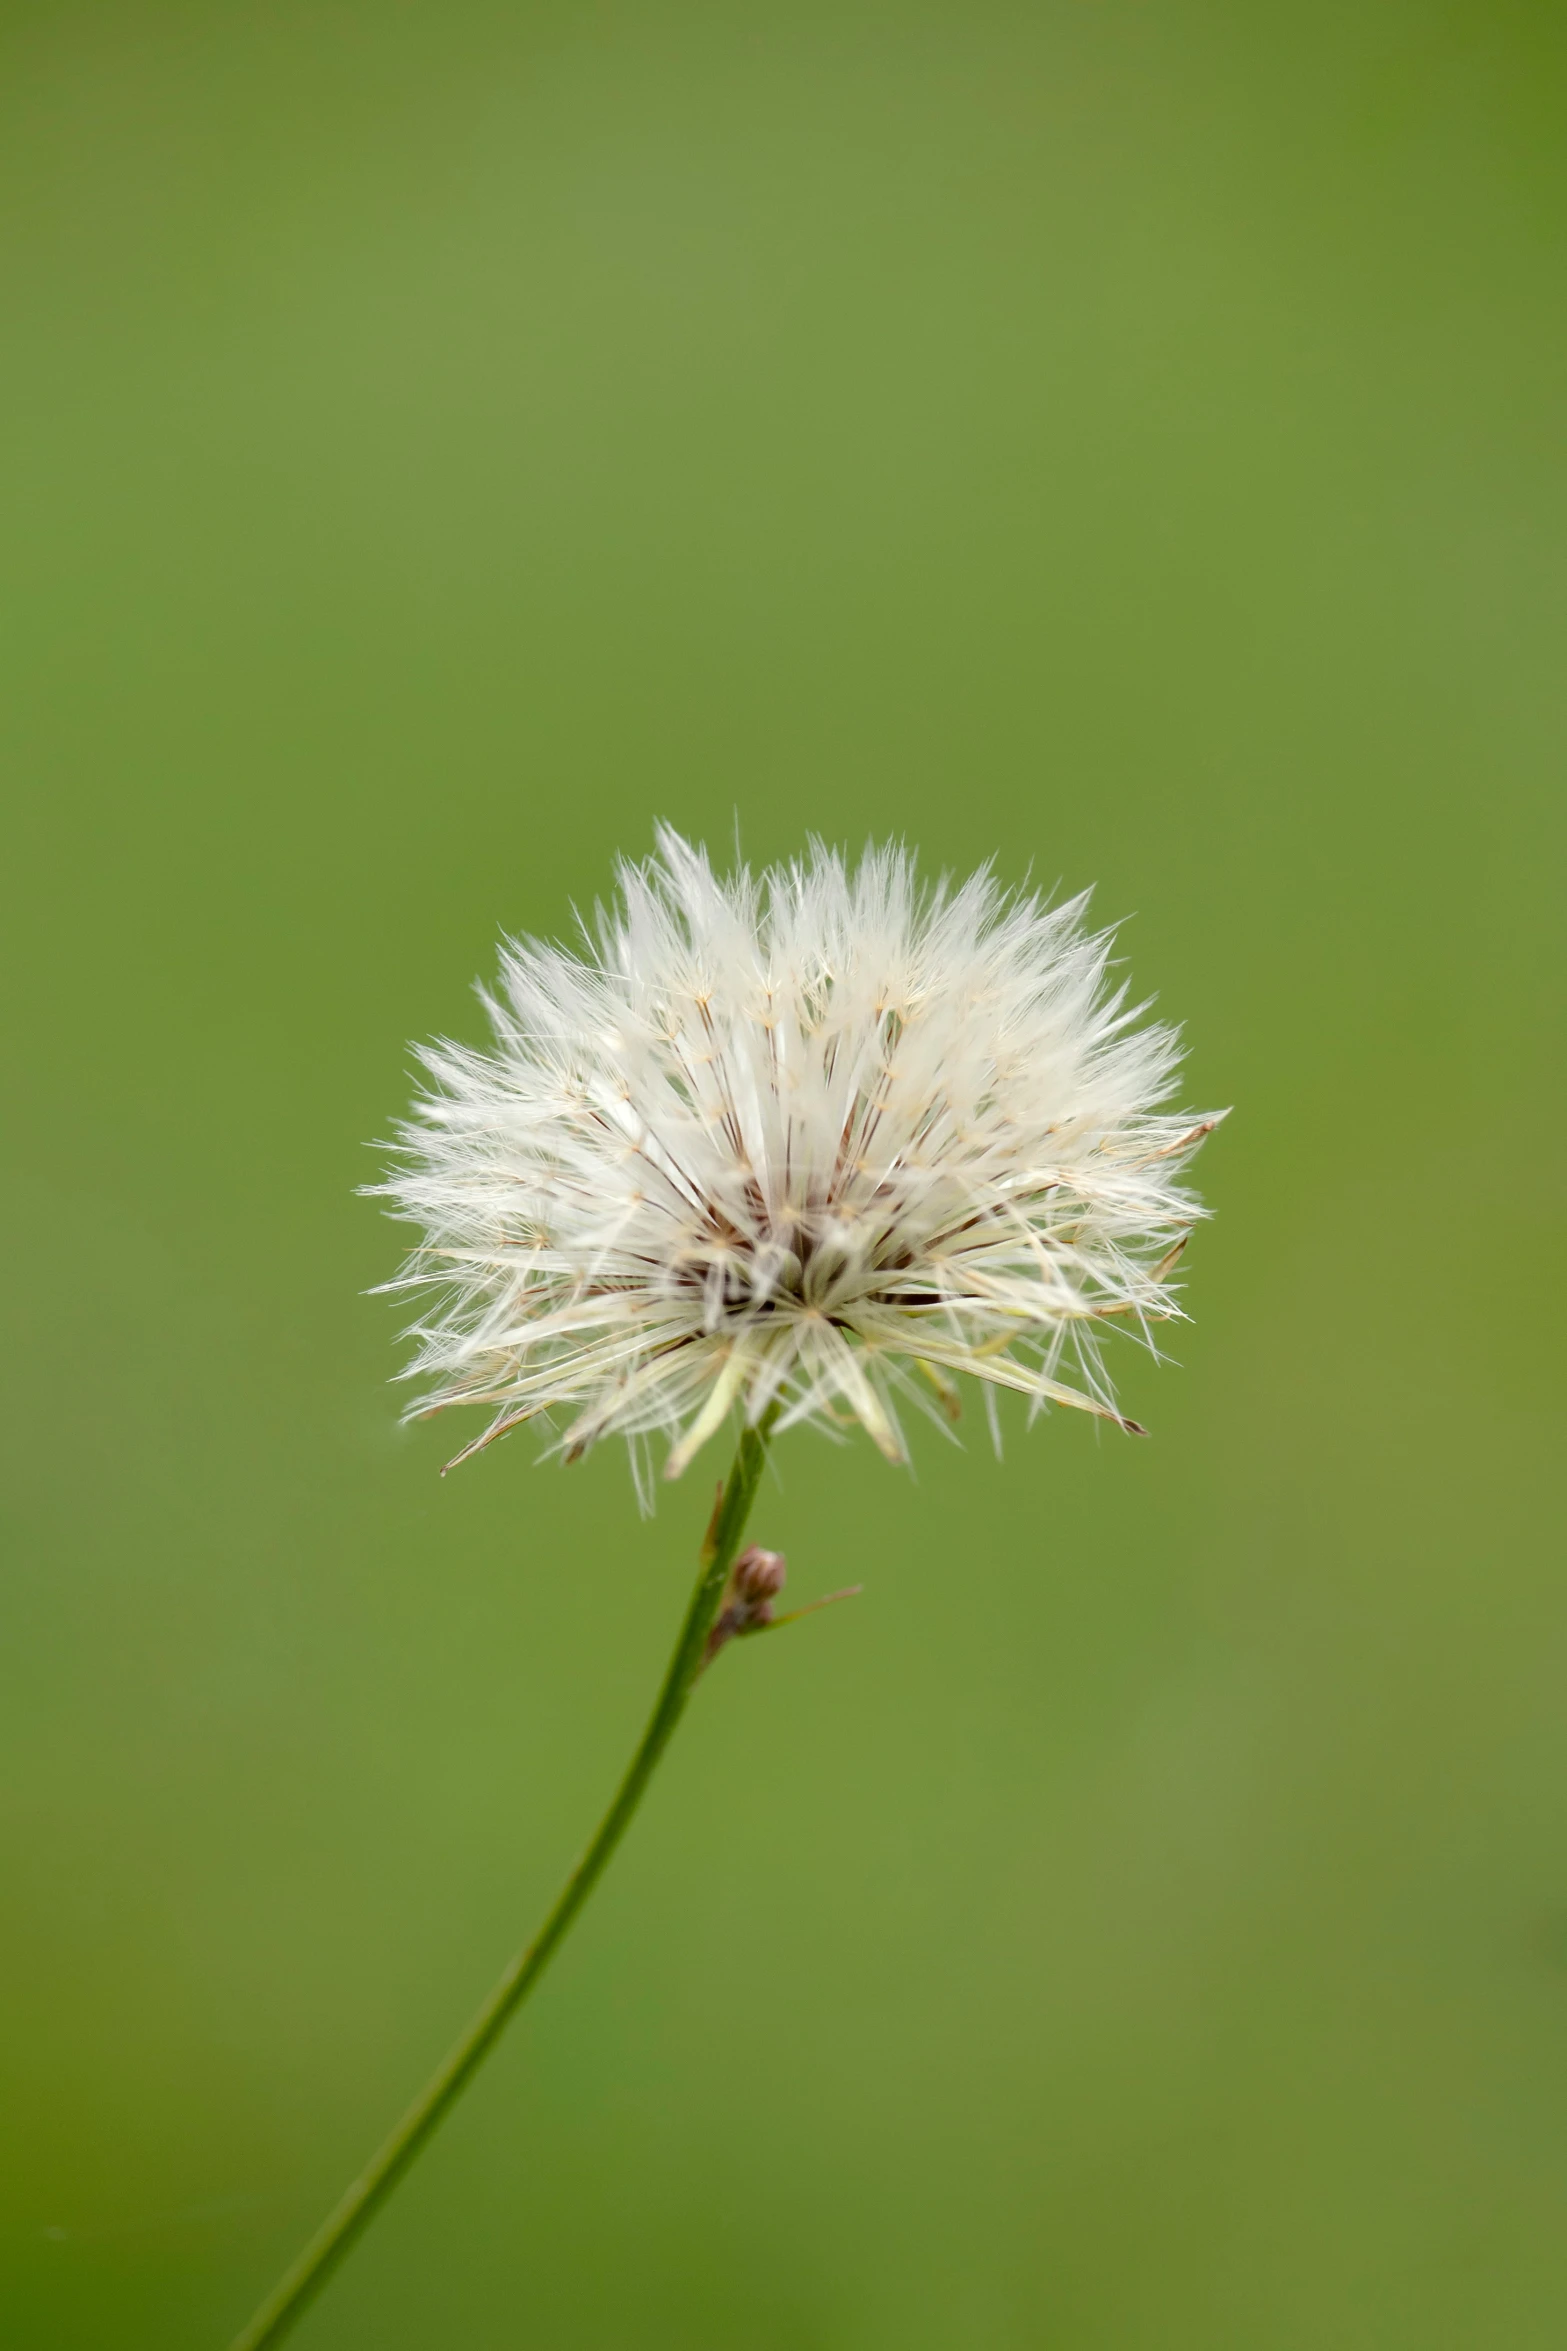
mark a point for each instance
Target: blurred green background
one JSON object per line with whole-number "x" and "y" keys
{"x": 1128, "y": 440}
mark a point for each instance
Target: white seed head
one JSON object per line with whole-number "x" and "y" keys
{"x": 804, "y": 1145}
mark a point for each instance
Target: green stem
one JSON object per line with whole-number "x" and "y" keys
{"x": 375, "y": 2183}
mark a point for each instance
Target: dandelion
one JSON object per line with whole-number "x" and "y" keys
{"x": 818, "y": 1146}
{"x": 811, "y": 1146}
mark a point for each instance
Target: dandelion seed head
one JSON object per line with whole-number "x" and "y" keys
{"x": 812, "y": 1145}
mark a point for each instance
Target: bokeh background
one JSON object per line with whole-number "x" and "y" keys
{"x": 1124, "y": 440}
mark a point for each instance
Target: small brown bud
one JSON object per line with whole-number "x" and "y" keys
{"x": 758, "y": 1576}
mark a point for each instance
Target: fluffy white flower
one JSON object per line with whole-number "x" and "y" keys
{"x": 805, "y": 1145}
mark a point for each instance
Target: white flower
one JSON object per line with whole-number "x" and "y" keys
{"x": 805, "y": 1145}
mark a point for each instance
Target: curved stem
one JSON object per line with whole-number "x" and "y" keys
{"x": 332, "y": 2240}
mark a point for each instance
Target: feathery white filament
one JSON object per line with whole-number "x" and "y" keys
{"x": 805, "y": 1141}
